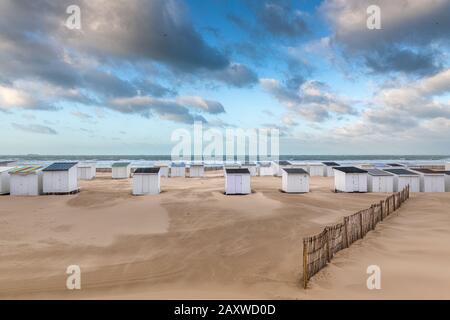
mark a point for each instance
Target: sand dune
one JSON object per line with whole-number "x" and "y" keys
{"x": 192, "y": 241}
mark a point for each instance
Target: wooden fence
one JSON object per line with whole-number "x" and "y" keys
{"x": 319, "y": 249}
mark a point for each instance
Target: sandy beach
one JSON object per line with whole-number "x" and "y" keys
{"x": 191, "y": 241}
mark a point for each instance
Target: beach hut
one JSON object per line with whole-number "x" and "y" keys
{"x": 121, "y": 170}
{"x": 251, "y": 166}
{"x": 366, "y": 166}
{"x": 237, "y": 181}
{"x": 447, "y": 180}
{"x": 431, "y": 181}
{"x": 316, "y": 169}
{"x": 146, "y": 181}
{"x": 350, "y": 179}
{"x": 178, "y": 169}
{"x": 5, "y": 179}
{"x": 279, "y": 165}
{"x": 295, "y": 180}
{"x": 163, "y": 169}
{"x": 265, "y": 169}
{"x": 86, "y": 170}
{"x": 403, "y": 177}
{"x": 196, "y": 170}
{"x": 447, "y": 166}
{"x": 379, "y": 181}
{"x": 329, "y": 166}
{"x": 26, "y": 181}
{"x": 60, "y": 177}
{"x": 7, "y": 163}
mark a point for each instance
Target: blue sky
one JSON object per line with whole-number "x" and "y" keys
{"x": 137, "y": 70}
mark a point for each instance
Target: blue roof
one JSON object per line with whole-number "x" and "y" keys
{"x": 60, "y": 166}
{"x": 179, "y": 164}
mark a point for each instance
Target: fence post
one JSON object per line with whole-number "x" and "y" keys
{"x": 327, "y": 237}
{"x": 381, "y": 210}
{"x": 360, "y": 225}
{"x": 346, "y": 232}
{"x": 305, "y": 263}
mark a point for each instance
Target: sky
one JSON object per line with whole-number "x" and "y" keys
{"x": 137, "y": 70}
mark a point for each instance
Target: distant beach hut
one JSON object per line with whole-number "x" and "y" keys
{"x": 5, "y": 179}
{"x": 7, "y": 163}
{"x": 121, "y": 170}
{"x": 163, "y": 169}
{"x": 196, "y": 169}
{"x": 350, "y": 179}
{"x": 447, "y": 166}
{"x": 26, "y": 181}
{"x": 329, "y": 165}
{"x": 60, "y": 177}
{"x": 265, "y": 169}
{"x": 86, "y": 170}
{"x": 279, "y": 165}
{"x": 430, "y": 181}
{"x": 379, "y": 181}
{"x": 251, "y": 166}
{"x": 146, "y": 181}
{"x": 178, "y": 169}
{"x": 295, "y": 180}
{"x": 403, "y": 177}
{"x": 237, "y": 181}
{"x": 366, "y": 166}
{"x": 316, "y": 169}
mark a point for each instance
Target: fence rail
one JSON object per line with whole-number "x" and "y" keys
{"x": 319, "y": 249}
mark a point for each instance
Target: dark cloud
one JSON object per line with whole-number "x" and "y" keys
{"x": 35, "y": 128}
{"x": 237, "y": 75}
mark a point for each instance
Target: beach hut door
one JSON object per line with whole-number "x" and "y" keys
{"x": 238, "y": 184}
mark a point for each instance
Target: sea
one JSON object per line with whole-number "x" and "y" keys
{"x": 105, "y": 161}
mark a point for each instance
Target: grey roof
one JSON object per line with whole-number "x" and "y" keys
{"x": 120, "y": 164}
{"x": 394, "y": 165}
{"x": 147, "y": 170}
{"x": 350, "y": 169}
{"x": 283, "y": 163}
{"x": 264, "y": 164}
{"x": 401, "y": 172}
{"x": 331, "y": 164}
{"x": 60, "y": 166}
{"x": 444, "y": 172}
{"x": 378, "y": 172}
{"x": 237, "y": 170}
{"x": 249, "y": 164}
{"x": 426, "y": 171}
{"x": 295, "y": 171}
{"x": 178, "y": 164}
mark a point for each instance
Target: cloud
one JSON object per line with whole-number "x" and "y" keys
{"x": 209, "y": 106}
{"x": 237, "y": 75}
{"x": 81, "y": 115}
{"x": 14, "y": 98}
{"x": 34, "y": 128}
{"x": 312, "y": 100}
{"x": 394, "y": 48}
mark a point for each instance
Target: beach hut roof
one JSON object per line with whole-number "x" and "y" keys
{"x": 237, "y": 171}
{"x": 60, "y": 166}
{"x": 426, "y": 171}
{"x": 249, "y": 164}
{"x": 3, "y": 169}
{"x": 26, "y": 170}
{"x": 264, "y": 164}
{"x": 295, "y": 171}
{"x": 394, "y": 165}
{"x": 120, "y": 164}
{"x": 153, "y": 170}
{"x": 350, "y": 170}
{"x": 401, "y": 172}
{"x": 178, "y": 164}
{"x": 283, "y": 163}
{"x": 378, "y": 172}
{"x": 331, "y": 164}
{"x": 444, "y": 172}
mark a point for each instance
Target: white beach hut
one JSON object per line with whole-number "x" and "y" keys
{"x": 26, "y": 181}
{"x": 163, "y": 169}
{"x": 379, "y": 181}
{"x": 447, "y": 166}
{"x": 251, "y": 166}
{"x": 447, "y": 180}
{"x": 60, "y": 177}
{"x": 329, "y": 168}
{"x": 265, "y": 169}
{"x": 403, "y": 177}
{"x": 295, "y": 180}
{"x": 196, "y": 169}
{"x": 178, "y": 169}
{"x": 121, "y": 170}
{"x": 5, "y": 179}
{"x": 146, "y": 181}
{"x": 431, "y": 181}
{"x": 237, "y": 181}
{"x": 86, "y": 170}
{"x": 350, "y": 179}
{"x": 316, "y": 169}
